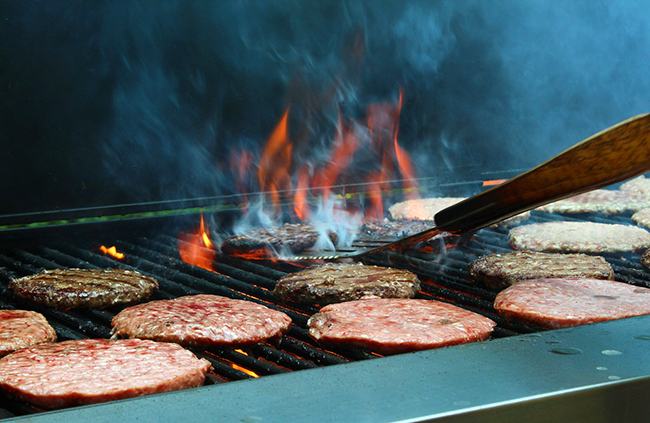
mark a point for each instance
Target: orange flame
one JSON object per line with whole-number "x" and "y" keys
{"x": 493, "y": 182}
{"x": 404, "y": 161}
{"x": 112, "y": 251}
{"x": 243, "y": 369}
{"x": 300, "y": 206}
{"x": 273, "y": 173}
{"x": 196, "y": 248}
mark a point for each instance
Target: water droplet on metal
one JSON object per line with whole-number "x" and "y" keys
{"x": 643, "y": 337}
{"x": 611, "y": 352}
{"x": 602, "y": 368}
{"x": 552, "y": 342}
{"x": 614, "y": 377}
{"x": 566, "y": 351}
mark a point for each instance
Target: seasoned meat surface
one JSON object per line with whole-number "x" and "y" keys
{"x": 95, "y": 288}
{"x": 393, "y": 229}
{"x": 336, "y": 282}
{"x": 579, "y": 237}
{"x": 560, "y": 303}
{"x": 392, "y": 326}
{"x": 23, "y": 328}
{"x": 503, "y": 270}
{"x": 201, "y": 320}
{"x": 89, "y": 371}
{"x": 294, "y": 237}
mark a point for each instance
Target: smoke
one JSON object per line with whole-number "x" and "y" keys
{"x": 112, "y": 102}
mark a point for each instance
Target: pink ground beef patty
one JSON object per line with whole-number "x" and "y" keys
{"x": 392, "y": 326}
{"x": 560, "y": 303}
{"x": 89, "y": 371}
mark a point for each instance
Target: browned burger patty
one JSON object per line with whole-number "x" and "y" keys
{"x": 201, "y": 320}
{"x": 72, "y": 288}
{"x": 23, "y": 328}
{"x": 392, "y": 326}
{"x": 503, "y": 270}
{"x": 560, "y": 303}
{"x": 337, "y": 282}
{"x": 89, "y": 371}
{"x": 579, "y": 237}
{"x": 294, "y": 237}
{"x": 390, "y": 229}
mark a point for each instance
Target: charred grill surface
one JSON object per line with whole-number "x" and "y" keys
{"x": 443, "y": 275}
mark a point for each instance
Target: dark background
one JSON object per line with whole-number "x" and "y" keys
{"x": 112, "y": 102}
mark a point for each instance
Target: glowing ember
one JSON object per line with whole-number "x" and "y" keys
{"x": 112, "y": 251}
{"x": 196, "y": 248}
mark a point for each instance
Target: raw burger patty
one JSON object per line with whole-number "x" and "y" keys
{"x": 579, "y": 237}
{"x": 561, "y": 303}
{"x": 336, "y": 282}
{"x": 21, "y": 329}
{"x": 89, "y": 371}
{"x": 422, "y": 208}
{"x": 96, "y": 288}
{"x": 291, "y": 236}
{"x": 425, "y": 209}
{"x": 503, "y": 270}
{"x": 201, "y": 320}
{"x": 392, "y": 326}
{"x": 607, "y": 202}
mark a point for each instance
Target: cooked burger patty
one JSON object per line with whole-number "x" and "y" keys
{"x": 560, "y": 303}
{"x": 392, "y": 326}
{"x": 503, "y": 270}
{"x": 295, "y": 237}
{"x": 89, "y": 371}
{"x": 201, "y": 320}
{"x": 336, "y": 282}
{"x": 23, "y": 328}
{"x": 607, "y": 202}
{"x": 72, "y": 288}
{"x": 392, "y": 229}
{"x": 579, "y": 237}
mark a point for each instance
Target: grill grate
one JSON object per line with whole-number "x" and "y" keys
{"x": 443, "y": 273}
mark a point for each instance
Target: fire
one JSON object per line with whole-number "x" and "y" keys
{"x": 196, "y": 248}
{"x": 112, "y": 251}
{"x": 243, "y": 369}
{"x": 493, "y": 182}
{"x": 376, "y": 137}
{"x": 273, "y": 174}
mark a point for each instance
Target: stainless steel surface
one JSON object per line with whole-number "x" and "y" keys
{"x": 594, "y": 373}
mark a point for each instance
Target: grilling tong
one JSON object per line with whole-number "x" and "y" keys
{"x": 613, "y": 155}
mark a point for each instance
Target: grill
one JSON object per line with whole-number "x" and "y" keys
{"x": 304, "y": 365}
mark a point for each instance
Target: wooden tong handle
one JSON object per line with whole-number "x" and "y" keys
{"x": 613, "y": 155}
